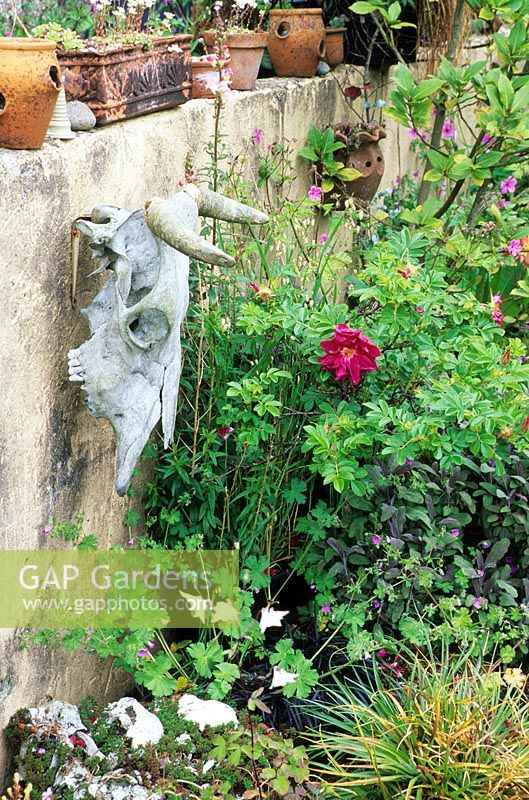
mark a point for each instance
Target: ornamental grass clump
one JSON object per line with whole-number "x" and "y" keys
{"x": 441, "y": 727}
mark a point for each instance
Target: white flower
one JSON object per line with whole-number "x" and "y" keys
{"x": 174, "y": 48}
{"x": 281, "y": 677}
{"x": 208, "y": 765}
{"x": 119, "y": 12}
{"x": 271, "y": 618}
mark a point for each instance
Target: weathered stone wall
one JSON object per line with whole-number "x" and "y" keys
{"x": 55, "y": 460}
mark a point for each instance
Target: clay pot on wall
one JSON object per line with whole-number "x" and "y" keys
{"x": 246, "y": 51}
{"x": 30, "y": 80}
{"x": 367, "y": 158}
{"x": 335, "y": 46}
{"x": 129, "y": 81}
{"x": 296, "y": 41}
{"x": 202, "y": 71}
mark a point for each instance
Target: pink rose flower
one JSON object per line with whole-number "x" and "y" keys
{"x": 348, "y": 354}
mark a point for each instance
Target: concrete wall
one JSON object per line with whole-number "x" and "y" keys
{"x": 55, "y": 460}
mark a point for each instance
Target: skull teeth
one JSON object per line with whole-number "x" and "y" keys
{"x": 75, "y": 369}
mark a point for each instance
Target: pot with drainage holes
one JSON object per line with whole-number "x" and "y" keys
{"x": 30, "y": 82}
{"x": 296, "y": 41}
{"x": 362, "y": 152}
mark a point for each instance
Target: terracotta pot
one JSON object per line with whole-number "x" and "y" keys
{"x": 30, "y": 80}
{"x": 129, "y": 81}
{"x": 335, "y": 51}
{"x": 246, "y": 51}
{"x": 367, "y": 158}
{"x": 200, "y": 69}
{"x": 296, "y": 41}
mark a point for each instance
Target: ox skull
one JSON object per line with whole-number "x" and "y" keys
{"x": 130, "y": 367}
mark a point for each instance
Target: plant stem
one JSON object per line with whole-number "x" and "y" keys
{"x": 477, "y": 205}
{"x": 440, "y": 116}
{"x": 459, "y": 184}
{"x": 388, "y": 39}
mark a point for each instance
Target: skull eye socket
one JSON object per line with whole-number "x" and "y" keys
{"x": 149, "y": 327}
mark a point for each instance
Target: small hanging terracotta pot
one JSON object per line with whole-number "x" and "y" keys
{"x": 296, "y": 41}
{"x": 364, "y": 154}
{"x": 335, "y": 46}
{"x": 30, "y": 80}
{"x": 246, "y": 52}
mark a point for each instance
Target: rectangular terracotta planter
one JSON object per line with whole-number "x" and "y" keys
{"x": 129, "y": 81}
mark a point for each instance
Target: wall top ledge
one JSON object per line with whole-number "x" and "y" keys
{"x": 269, "y": 91}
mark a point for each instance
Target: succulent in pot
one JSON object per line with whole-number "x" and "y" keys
{"x": 238, "y": 27}
{"x": 130, "y": 67}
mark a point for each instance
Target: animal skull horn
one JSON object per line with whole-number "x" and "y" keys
{"x": 130, "y": 366}
{"x": 162, "y": 219}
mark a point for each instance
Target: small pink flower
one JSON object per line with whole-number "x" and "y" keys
{"x": 489, "y": 226}
{"x": 41, "y": 751}
{"x": 503, "y": 204}
{"x": 514, "y": 248}
{"x": 257, "y": 135}
{"x": 508, "y": 186}
{"x": 455, "y": 532}
{"x": 382, "y": 653}
{"x": 420, "y": 310}
{"x": 496, "y": 313}
{"x": 449, "y": 130}
{"x": 376, "y": 604}
{"x": 143, "y": 653}
{"x": 478, "y": 602}
{"x": 412, "y": 133}
{"x": 415, "y": 175}
{"x": 8, "y": 33}
{"x": 224, "y": 432}
{"x": 48, "y": 794}
{"x": 130, "y": 543}
{"x": 323, "y": 238}
{"x": 487, "y": 139}
{"x": 325, "y": 609}
{"x": 315, "y": 193}
{"x": 45, "y": 530}
{"x": 375, "y": 539}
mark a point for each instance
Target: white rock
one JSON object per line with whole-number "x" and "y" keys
{"x": 64, "y": 716}
{"x": 141, "y": 727}
{"x": 206, "y": 712}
